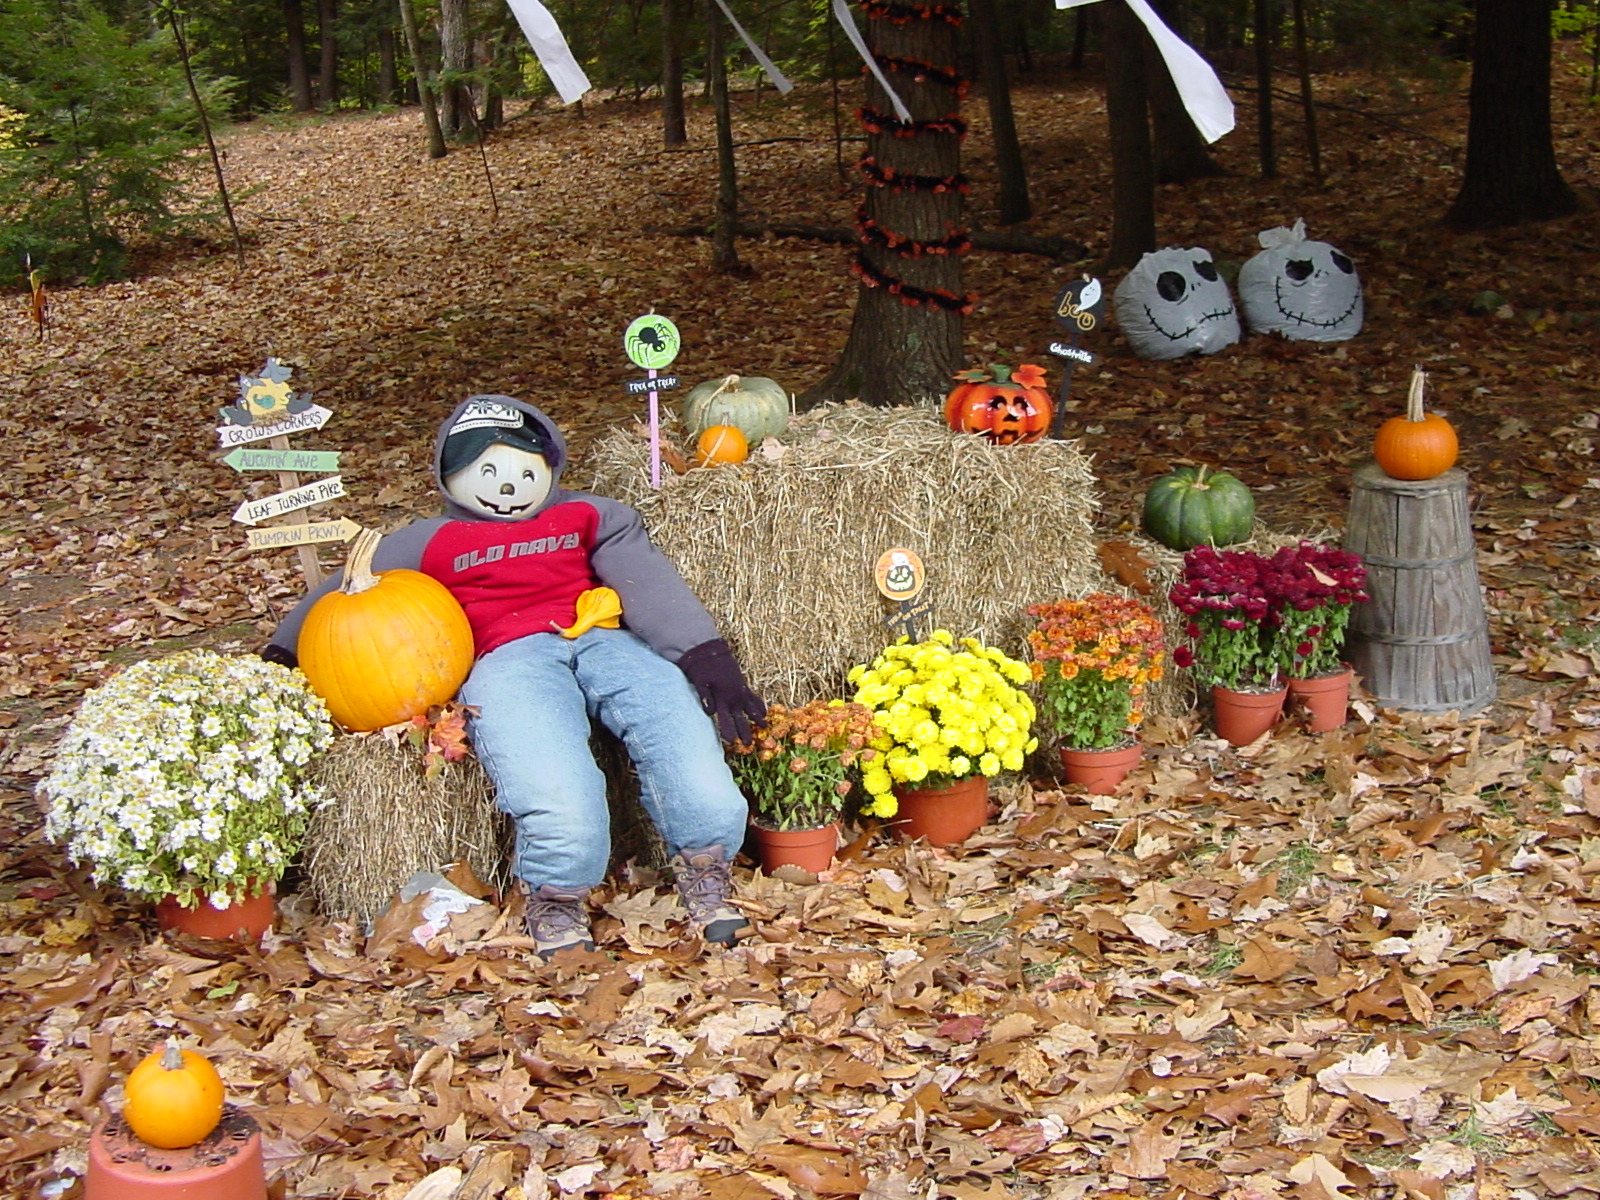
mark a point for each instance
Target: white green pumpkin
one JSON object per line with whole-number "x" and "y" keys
{"x": 756, "y": 406}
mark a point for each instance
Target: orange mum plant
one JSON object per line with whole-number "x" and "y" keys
{"x": 1093, "y": 659}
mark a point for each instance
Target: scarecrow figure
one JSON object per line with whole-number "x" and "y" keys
{"x": 518, "y": 551}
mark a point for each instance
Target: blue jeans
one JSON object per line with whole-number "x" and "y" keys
{"x": 535, "y": 698}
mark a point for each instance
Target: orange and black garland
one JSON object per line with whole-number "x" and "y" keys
{"x": 875, "y": 121}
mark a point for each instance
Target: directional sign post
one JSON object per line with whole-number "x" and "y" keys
{"x": 652, "y": 342}
{"x": 269, "y": 410}
{"x": 1078, "y": 310}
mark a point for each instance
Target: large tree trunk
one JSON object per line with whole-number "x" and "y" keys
{"x": 419, "y": 68}
{"x": 388, "y": 69}
{"x": 328, "y": 61}
{"x": 1181, "y": 153}
{"x": 455, "y": 52}
{"x": 1014, "y": 203}
{"x": 905, "y": 338}
{"x": 1265, "y": 137}
{"x": 1133, "y": 179}
{"x": 294, "y": 24}
{"x": 674, "y": 124}
{"x": 1511, "y": 172}
{"x": 724, "y": 231}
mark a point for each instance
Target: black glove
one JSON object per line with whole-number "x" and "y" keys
{"x": 724, "y": 694}
{"x": 281, "y": 655}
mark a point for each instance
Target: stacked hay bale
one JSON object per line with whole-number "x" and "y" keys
{"x": 781, "y": 548}
{"x": 388, "y": 817}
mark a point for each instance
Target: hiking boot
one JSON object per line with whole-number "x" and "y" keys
{"x": 558, "y": 919}
{"x": 704, "y": 884}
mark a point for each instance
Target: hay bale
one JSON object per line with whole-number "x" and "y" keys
{"x": 386, "y": 820}
{"x": 781, "y": 548}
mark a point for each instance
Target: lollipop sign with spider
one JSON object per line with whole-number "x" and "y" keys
{"x": 652, "y": 342}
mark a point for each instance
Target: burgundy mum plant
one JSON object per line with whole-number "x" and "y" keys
{"x": 1255, "y": 620}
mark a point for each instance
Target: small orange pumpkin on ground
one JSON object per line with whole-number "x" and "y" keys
{"x": 385, "y": 647}
{"x": 1003, "y": 405}
{"x": 721, "y": 444}
{"x": 1418, "y": 445}
{"x": 174, "y": 1098}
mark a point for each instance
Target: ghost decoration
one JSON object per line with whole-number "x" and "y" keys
{"x": 1305, "y": 290}
{"x": 1174, "y": 303}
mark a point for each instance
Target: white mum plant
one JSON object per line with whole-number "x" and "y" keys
{"x": 183, "y": 776}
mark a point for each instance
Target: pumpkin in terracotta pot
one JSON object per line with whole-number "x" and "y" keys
{"x": 756, "y": 406}
{"x": 1189, "y": 508}
{"x": 384, "y": 647}
{"x": 1419, "y": 445}
{"x": 174, "y": 1098}
{"x": 1000, "y": 404}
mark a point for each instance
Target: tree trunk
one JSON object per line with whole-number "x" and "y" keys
{"x": 1181, "y": 153}
{"x": 674, "y": 124}
{"x": 1133, "y": 179}
{"x": 724, "y": 231}
{"x": 455, "y": 52}
{"x": 1264, "y": 134}
{"x": 1015, "y": 206}
{"x": 1302, "y": 56}
{"x": 905, "y": 338}
{"x": 1511, "y": 172}
{"x": 328, "y": 62}
{"x": 388, "y": 69}
{"x": 419, "y": 68}
{"x": 294, "y": 23}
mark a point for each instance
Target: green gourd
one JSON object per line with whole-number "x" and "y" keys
{"x": 1190, "y": 508}
{"x": 757, "y": 407}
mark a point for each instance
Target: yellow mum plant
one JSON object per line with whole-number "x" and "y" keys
{"x": 943, "y": 710}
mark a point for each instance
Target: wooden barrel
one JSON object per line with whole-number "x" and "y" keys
{"x": 1422, "y": 642}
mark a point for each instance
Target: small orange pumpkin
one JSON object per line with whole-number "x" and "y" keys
{"x": 1002, "y": 405}
{"x": 1418, "y": 445}
{"x": 385, "y": 647}
{"x": 174, "y": 1098}
{"x": 721, "y": 444}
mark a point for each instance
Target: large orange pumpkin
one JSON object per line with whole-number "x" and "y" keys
{"x": 1418, "y": 445}
{"x": 1002, "y": 405}
{"x": 385, "y": 647}
{"x": 174, "y": 1098}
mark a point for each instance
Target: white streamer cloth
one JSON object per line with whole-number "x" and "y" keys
{"x": 779, "y": 79}
{"x": 550, "y": 47}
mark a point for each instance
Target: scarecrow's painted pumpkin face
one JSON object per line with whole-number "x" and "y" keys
{"x": 1175, "y": 303}
{"x": 1305, "y": 290}
{"x": 504, "y": 483}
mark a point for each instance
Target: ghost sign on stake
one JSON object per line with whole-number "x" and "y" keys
{"x": 1078, "y": 310}
{"x": 900, "y": 578}
{"x": 652, "y": 342}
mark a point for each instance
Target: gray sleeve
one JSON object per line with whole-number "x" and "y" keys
{"x": 656, "y": 603}
{"x": 401, "y": 549}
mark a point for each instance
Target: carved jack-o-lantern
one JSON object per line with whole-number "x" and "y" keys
{"x": 1002, "y": 405}
{"x": 1305, "y": 290}
{"x": 1175, "y": 303}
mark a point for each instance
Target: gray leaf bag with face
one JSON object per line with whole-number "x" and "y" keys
{"x": 1174, "y": 303}
{"x": 1305, "y": 290}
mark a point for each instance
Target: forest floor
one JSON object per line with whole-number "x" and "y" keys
{"x": 1352, "y": 964}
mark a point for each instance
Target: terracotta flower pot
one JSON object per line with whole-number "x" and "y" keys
{"x": 809, "y": 849}
{"x": 227, "y": 1165}
{"x": 1326, "y": 699}
{"x": 1242, "y": 717}
{"x": 245, "y": 921}
{"x": 944, "y": 816}
{"x": 1099, "y": 771}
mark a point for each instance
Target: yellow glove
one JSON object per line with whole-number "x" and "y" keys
{"x": 600, "y": 607}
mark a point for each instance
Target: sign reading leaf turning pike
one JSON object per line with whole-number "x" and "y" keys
{"x": 269, "y": 410}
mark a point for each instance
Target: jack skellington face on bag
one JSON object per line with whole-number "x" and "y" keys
{"x": 1306, "y": 290}
{"x": 1175, "y": 303}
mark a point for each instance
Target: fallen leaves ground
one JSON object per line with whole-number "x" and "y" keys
{"x": 1356, "y": 964}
